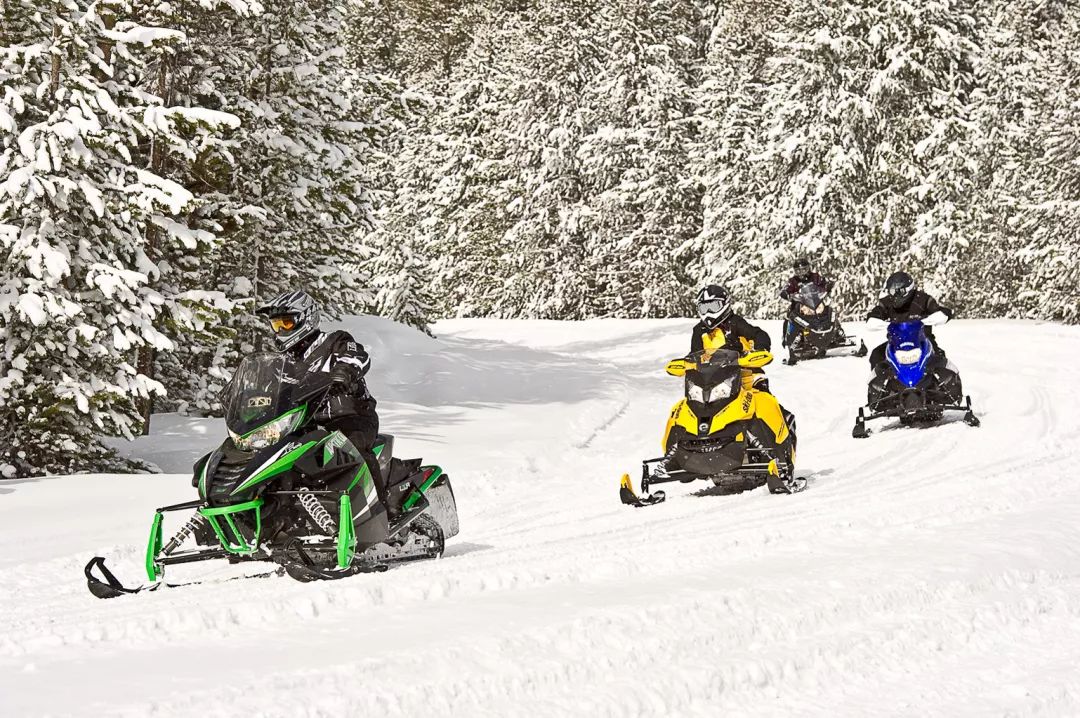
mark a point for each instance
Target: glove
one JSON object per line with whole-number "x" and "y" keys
{"x": 936, "y": 318}
{"x": 784, "y": 295}
{"x": 341, "y": 377}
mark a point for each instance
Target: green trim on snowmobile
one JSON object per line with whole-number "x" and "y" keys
{"x": 237, "y": 544}
{"x": 346, "y": 540}
{"x": 363, "y": 474}
{"x": 337, "y": 440}
{"x": 153, "y": 548}
{"x": 417, "y": 494}
{"x": 278, "y": 467}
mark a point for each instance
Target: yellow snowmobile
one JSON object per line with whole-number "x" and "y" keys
{"x": 723, "y": 430}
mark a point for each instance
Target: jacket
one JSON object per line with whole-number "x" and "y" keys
{"x": 920, "y": 306}
{"x": 793, "y": 284}
{"x": 339, "y": 352}
{"x": 734, "y": 333}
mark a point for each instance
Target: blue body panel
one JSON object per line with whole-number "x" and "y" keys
{"x": 904, "y": 336}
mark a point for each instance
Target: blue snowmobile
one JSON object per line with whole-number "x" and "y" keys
{"x": 919, "y": 385}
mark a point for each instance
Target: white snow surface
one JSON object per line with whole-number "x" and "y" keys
{"x": 924, "y": 571}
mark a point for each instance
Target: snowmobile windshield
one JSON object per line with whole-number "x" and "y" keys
{"x": 811, "y": 296}
{"x": 264, "y": 387}
{"x": 714, "y": 358}
{"x": 906, "y": 335}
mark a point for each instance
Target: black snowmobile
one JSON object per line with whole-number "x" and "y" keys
{"x": 280, "y": 489}
{"x": 816, "y": 330}
{"x": 916, "y": 387}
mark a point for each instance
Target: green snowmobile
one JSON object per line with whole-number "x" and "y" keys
{"x": 282, "y": 490}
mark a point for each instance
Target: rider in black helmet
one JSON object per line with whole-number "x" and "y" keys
{"x": 294, "y": 318}
{"x": 804, "y": 274}
{"x": 900, "y": 300}
{"x": 721, "y": 327}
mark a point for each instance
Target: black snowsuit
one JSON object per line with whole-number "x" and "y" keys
{"x": 790, "y": 289}
{"x": 919, "y": 306}
{"x": 734, "y": 333}
{"x": 740, "y": 334}
{"x": 351, "y": 409}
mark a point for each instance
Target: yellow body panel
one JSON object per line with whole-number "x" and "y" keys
{"x": 747, "y": 405}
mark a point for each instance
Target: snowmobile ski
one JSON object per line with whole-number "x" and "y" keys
{"x": 861, "y": 431}
{"x": 630, "y": 498}
{"x": 781, "y": 482}
{"x": 109, "y": 586}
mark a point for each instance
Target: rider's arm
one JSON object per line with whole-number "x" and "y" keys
{"x": 696, "y": 342}
{"x": 879, "y": 312}
{"x": 932, "y": 307}
{"x": 350, "y": 358}
{"x": 757, "y": 335}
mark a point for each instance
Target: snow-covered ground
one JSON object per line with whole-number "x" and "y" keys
{"x": 924, "y": 572}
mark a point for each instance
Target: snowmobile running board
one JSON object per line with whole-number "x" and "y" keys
{"x": 860, "y": 351}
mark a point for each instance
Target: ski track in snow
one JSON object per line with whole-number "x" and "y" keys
{"x": 924, "y": 572}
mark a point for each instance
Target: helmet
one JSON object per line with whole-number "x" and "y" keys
{"x": 294, "y": 316}
{"x": 713, "y": 305}
{"x": 898, "y": 290}
{"x": 802, "y": 267}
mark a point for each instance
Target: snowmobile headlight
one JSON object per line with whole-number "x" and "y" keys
{"x": 722, "y": 391}
{"x": 695, "y": 393}
{"x": 267, "y": 434}
{"x": 908, "y": 356}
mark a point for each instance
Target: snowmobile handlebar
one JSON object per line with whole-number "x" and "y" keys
{"x": 751, "y": 360}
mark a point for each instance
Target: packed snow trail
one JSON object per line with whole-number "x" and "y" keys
{"x": 924, "y": 572}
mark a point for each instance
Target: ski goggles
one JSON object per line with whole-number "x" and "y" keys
{"x": 282, "y": 324}
{"x": 712, "y": 308}
{"x": 895, "y": 292}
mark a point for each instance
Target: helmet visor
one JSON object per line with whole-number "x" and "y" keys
{"x": 283, "y": 324}
{"x": 896, "y": 292}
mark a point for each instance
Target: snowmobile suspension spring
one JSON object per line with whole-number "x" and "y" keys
{"x": 189, "y": 528}
{"x": 316, "y": 510}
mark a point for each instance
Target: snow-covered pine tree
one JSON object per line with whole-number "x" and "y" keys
{"x": 1049, "y": 219}
{"x": 413, "y": 40}
{"x": 187, "y": 76}
{"x": 287, "y": 191}
{"x": 399, "y": 269}
{"x": 451, "y": 183}
{"x": 642, "y": 202}
{"x": 79, "y": 295}
{"x": 862, "y": 160}
{"x": 551, "y": 64}
{"x": 730, "y": 104}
